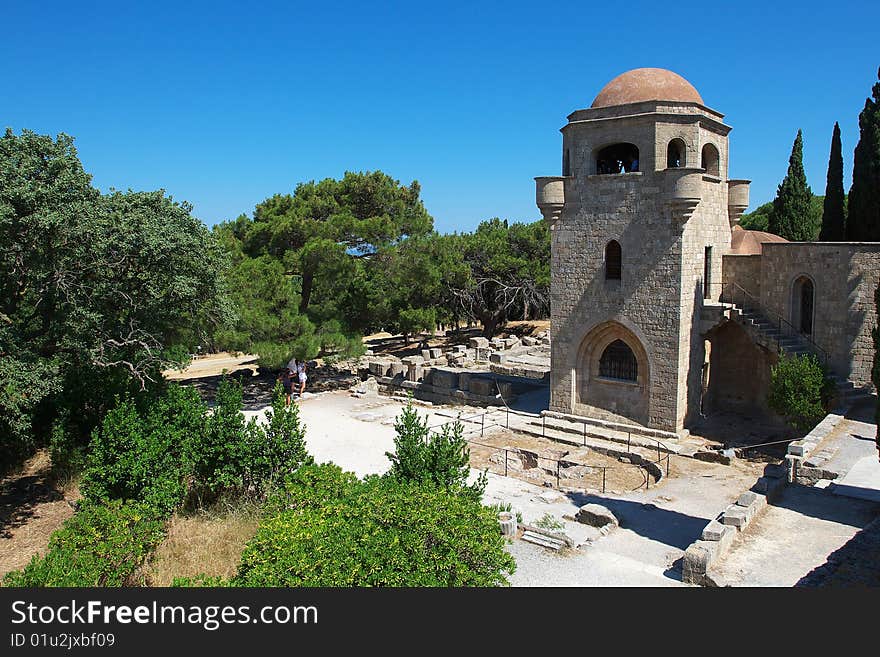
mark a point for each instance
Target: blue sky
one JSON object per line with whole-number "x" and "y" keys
{"x": 223, "y": 104}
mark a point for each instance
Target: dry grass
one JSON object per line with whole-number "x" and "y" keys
{"x": 209, "y": 543}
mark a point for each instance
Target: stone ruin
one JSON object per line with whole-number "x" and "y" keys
{"x": 462, "y": 373}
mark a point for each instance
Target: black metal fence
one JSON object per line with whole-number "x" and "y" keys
{"x": 531, "y": 465}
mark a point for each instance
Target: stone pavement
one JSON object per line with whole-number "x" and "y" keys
{"x": 856, "y": 563}
{"x": 824, "y": 535}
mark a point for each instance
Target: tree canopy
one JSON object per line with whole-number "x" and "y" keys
{"x": 834, "y": 208}
{"x": 98, "y": 293}
{"x": 791, "y": 216}
{"x": 863, "y": 221}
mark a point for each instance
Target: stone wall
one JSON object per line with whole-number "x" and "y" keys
{"x": 745, "y": 271}
{"x": 845, "y": 276}
{"x": 655, "y": 307}
{"x": 627, "y": 208}
{"x": 739, "y": 371}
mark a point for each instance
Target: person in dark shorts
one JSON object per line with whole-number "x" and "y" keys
{"x": 286, "y": 378}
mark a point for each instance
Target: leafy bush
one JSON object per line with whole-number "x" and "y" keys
{"x": 234, "y": 456}
{"x": 201, "y": 581}
{"x": 280, "y": 447}
{"x": 142, "y": 455}
{"x": 220, "y": 454}
{"x": 378, "y": 532}
{"x": 799, "y": 390}
{"x": 102, "y": 545}
{"x": 442, "y": 459}
{"x": 312, "y": 487}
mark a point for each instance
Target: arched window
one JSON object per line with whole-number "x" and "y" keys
{"x": 710, "y": 160}
{"x": 618, "y": 362}
{"x": 613, "y": 257}
{"x": 675, "y": 154}
{"x": 566, "y": 164}
{"x": 618, "y": 158}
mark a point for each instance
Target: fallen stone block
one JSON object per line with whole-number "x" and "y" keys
{"x": 415, "y": 372}
{"x": 482, "y": 354}
{"x": 711, "y": 456}
{"x": 510, "y": 343}
{"x": 379, "y": 368}
{"x": 746, "y": 498}
{"x": 529, "y": 341}
{"x": 413, "y": 360}
{"x": 478, "y": 343}
{"x": 596, "y": 515}
{"x": 497, "y": 357}
{"x": 436, "y": 352}
{"x": 370, "y": 388}
{"x": 459, "y": 349}
{"x": 426, "y": 354}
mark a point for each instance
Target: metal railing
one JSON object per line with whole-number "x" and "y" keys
{"x": 501, "y": 419}
{"x": 748, "y": 302}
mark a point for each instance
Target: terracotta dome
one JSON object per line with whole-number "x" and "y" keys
{"x": 749, "y": 242}
{"x": 641, "y": 84}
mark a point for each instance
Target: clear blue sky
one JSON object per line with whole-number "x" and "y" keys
{"x": 225, "y": 103}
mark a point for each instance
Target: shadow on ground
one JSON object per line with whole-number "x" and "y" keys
{"x": 856, "y": 563}
{"x": 648, "y": 520}
{"x": 20, "y": 496}
{"x": 823, "y": 504}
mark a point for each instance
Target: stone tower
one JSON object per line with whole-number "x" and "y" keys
{"x": 640, "y": 220}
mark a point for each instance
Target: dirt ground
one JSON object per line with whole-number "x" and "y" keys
{"x": 32, "y": 506}
{"x": 578, "y": 467}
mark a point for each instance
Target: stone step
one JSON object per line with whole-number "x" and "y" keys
{"x": 543, "y": 540}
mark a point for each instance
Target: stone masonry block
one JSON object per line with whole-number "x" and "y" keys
{"x": 482, "y": 387}
{"x": 444, "y": 379}
{"x": 735, "y": 516}
{"x": 478, "y": 343}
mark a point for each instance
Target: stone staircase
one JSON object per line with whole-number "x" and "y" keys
{"x": 769, "y": 335}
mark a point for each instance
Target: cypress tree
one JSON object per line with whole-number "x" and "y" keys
{"x": 833, "y": 228}
{"x": 875, "y": 371}
{"x": 791, "y": 208}
{"x": 863, "y": 223}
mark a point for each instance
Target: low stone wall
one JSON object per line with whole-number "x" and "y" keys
{"x": 803, "y": 468}
{"x": 718, "y": 535}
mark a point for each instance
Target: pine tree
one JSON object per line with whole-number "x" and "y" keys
{"x": 791, "y": 207}
{"x": 833, "y": 220}
{"x": 863, "y": 223}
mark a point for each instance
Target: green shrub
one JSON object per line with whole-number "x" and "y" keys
{"x": 377, "y": 532}
{"x": 280, "y": 446}
{"x": 442, "y": 459}
{"x": 101, "y": 545}
{"x": 312, "y": 487}
{"x": 799, "y": 390}
{"x": 200, "y": 581}
{"x": 221, "y": 453}
{"x": 234, "y": 456}
{"x": 142, "y": 455}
